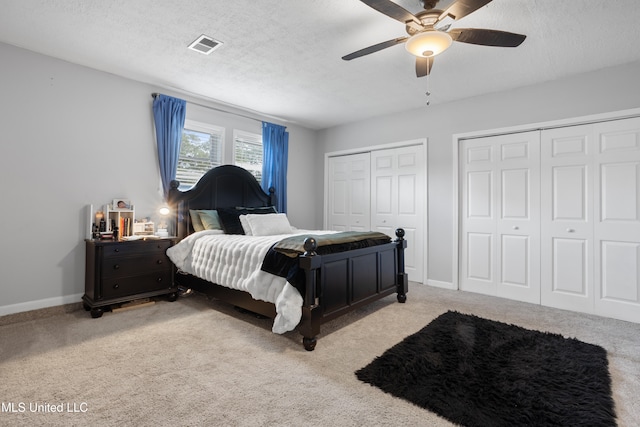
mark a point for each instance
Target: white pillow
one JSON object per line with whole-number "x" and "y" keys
{"x": 245, "y": 225}
{"x": 268, "y": 224}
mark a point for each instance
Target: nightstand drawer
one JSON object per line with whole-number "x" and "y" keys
{"x": 123, "y": 286}
{"x": 136, "y": 247}
{"x": 135, "y": 265}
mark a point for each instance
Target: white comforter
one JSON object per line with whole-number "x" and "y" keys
{"x": 234, "y": 261}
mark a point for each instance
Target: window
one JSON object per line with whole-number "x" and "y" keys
{"x": 247, "y": 152}
{"x": 200, "y": 150}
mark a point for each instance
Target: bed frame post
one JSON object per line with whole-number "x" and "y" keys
{"x": 402, "y": 280}
{"x": 180, "y": 224}
{"x": 309, "y": 325}
{"x": 272, "y": 196}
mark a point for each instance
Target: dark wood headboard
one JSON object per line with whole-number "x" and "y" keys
{"x": 224, "y": 186}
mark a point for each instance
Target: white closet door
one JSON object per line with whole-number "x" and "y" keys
{"x": 398, "y": 200}
{"x": 617, "y": 219}
{"x": 567, "y": 218}
{"x": 349, "y": 193}
{"x": 591, "y": 218}
{"x": 588, "y": 251}
{"x": 478, "y": 216}
{"x": 500, "y": 234}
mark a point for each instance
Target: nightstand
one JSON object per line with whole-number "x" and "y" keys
{"x": 121, "y": 271}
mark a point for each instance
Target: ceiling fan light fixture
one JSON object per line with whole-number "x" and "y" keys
{"x": 428, "y": 43}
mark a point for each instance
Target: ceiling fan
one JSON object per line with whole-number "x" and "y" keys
{"x": 429, "y": 31}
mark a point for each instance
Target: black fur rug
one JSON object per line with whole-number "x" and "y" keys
{"x": 478, "y": 372}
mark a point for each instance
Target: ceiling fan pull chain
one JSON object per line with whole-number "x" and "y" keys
{"x": 427, "y": 93}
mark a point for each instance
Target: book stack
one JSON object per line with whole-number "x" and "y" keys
{"x": 125, "y": 227}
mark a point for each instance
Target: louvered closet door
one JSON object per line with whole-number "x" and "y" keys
{"x": 567, "y": 218}
{"x": 500, "y": 234}
{"x": 617, "y": 219}
{"x": 398, "y": 199}
{"x": 349, "y": 193}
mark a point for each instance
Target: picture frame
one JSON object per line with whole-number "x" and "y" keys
{"x": 121, "y": 203}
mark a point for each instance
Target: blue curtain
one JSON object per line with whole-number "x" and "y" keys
{"x": 275, "y": 143}
{"x": 168, "y": 114}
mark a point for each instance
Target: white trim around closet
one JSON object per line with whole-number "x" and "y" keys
{"x": 457, "y": 138}
{"x": 368, "y": 149}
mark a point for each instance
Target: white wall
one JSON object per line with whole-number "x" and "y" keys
{"x": 72, "y": 136}
{"x": 591, "y": 93}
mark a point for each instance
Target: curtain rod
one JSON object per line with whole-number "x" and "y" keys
{"x": 153, "y": 95}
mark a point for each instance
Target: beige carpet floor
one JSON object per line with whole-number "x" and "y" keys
{"x": 197, "y": 362}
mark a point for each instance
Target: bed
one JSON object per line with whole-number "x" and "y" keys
{"x": 328, "y": 282}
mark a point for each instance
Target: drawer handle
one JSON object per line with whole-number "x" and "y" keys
{"x": 116, "y": 267}
{"x": 116, "y": 250}
{"x": 159, "y": 261}
{"x": 116, "y": 286}
{"x": 159, "y": 279}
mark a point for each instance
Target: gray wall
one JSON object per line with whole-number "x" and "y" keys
{"x": 603, "y": 91}
{"x": 72, "y": 136}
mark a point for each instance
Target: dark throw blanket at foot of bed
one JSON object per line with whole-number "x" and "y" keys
{"x": 478, "y": 372}
{"x": 282, "y": 258}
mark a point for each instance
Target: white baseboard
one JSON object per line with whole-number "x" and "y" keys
{"x": 440, "y": 284}
{"x": 38, "y": 304}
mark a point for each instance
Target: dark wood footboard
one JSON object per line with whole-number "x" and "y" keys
{"x": 335, "y": 284}
{"x": 339, "y": 283}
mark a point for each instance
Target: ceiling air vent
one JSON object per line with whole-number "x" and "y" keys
{"x": 205, "y": 44}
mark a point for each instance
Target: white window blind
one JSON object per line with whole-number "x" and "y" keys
{"x": 200, "y": 150}
{"x": 247, "y": 152}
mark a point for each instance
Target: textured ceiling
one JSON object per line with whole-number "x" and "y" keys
{"x": 282, "y": 58}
